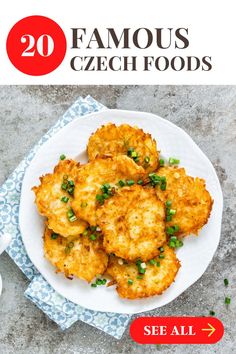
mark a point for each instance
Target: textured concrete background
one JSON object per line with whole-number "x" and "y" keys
{"x": 208, "y": 114}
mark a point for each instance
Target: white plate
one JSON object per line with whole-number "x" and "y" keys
{"x": 197, "y": 252}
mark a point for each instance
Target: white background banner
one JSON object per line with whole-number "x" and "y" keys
{"x": 209, "y": 27}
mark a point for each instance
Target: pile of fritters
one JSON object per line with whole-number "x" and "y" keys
{"x": 122, "y": 215}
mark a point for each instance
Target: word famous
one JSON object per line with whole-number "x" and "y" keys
{"x": 149, "y": 50}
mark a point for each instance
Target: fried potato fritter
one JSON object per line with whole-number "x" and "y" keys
{"x": 94, "y": 175}
{"x": 133, "y": 223}
{"x": 49, "y": 196}
{"x": 76, "y": 255}
{"x": 159, "y": 275}
{"x": 188, "y": 197}
{"x": 112, "y": 140}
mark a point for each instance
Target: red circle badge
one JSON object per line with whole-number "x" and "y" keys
{"x": 36, "y": 45}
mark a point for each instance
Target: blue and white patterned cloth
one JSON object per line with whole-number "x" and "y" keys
{"x": 59, "y": 309}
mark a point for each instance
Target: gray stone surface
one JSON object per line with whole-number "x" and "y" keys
{"x": 208, "y": 114}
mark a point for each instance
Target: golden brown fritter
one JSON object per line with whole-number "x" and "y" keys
{"x": 49, "y": 194}
{"x": 188, "y": 197}
{"x": 76, "y": 255}
{"x": 159, "y": 275}
{"x": 93, "y": 176}
{"x": 124, "y": 140}
{"x": 133, "y": 223}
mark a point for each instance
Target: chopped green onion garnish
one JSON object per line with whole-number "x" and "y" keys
{"x": 64, "y": 199}
{"x": 179, "y": 243}
{"x": 62, "y": 157}
{"x": 70, "y": 213}
{"x": 71, "y": 244}
{"x": 107, "y": 191}
{"x": 157, "y": 180}
{"x": 227, "y": 300}
{"x": 99, "y": 198}
{"x": 139, "y": 277}
{"x": 147, "y": 159}
{"x": 173, "y": 238}
{"x": 71, "y": 216}
{"x": 226, "y": 282}
{"x": 212, "y": 313}
{"x": 168, "y": 218}
{"x": 99, "y": 282}
{"x": 163, "y": 186}
{"x": 140, "y": 182}
{"x": 142, "y": 270}
{"x": 54, "y": 236}
{"x": 121, "y": 183}
{"x": 134, "y": 154}
{"x": 175, "y": 243}
{"x": 154, "y": 179}
{"x": 130, "y": 150}
{"x": 172, "y": 212}
{"x": 105, "y": 187}
{"x": 173, "y": 161}
{"x": 161, "y": 249}
{"x": 172, "y": 244}
{"x": 85, "y": 233}
{"x": 71, "y": 183}
{"x": 71, "y": 190}
{"x": 83, "y": 204}
{"x": 152, "y": 261}
{"x": 158, "y": 264}
{"x": 93, "y": 228}
{"x": 130, "y": 182}
{"x": 93, "y": 237}
{"x": 130, "y": 281}
{"x": 162, "y": 162}
{"x": 168, "y": 203}
{"x": 64, "y": 186}
{"x": 170, "y": 230}
{"x": 161, "y": 256}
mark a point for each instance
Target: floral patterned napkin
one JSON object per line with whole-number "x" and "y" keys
{"x": 59, "y": 309}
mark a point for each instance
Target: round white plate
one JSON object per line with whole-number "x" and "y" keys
{"x": 197, "y": 252}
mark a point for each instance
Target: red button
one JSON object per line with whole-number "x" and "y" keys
{"x": 176, "y": 330}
